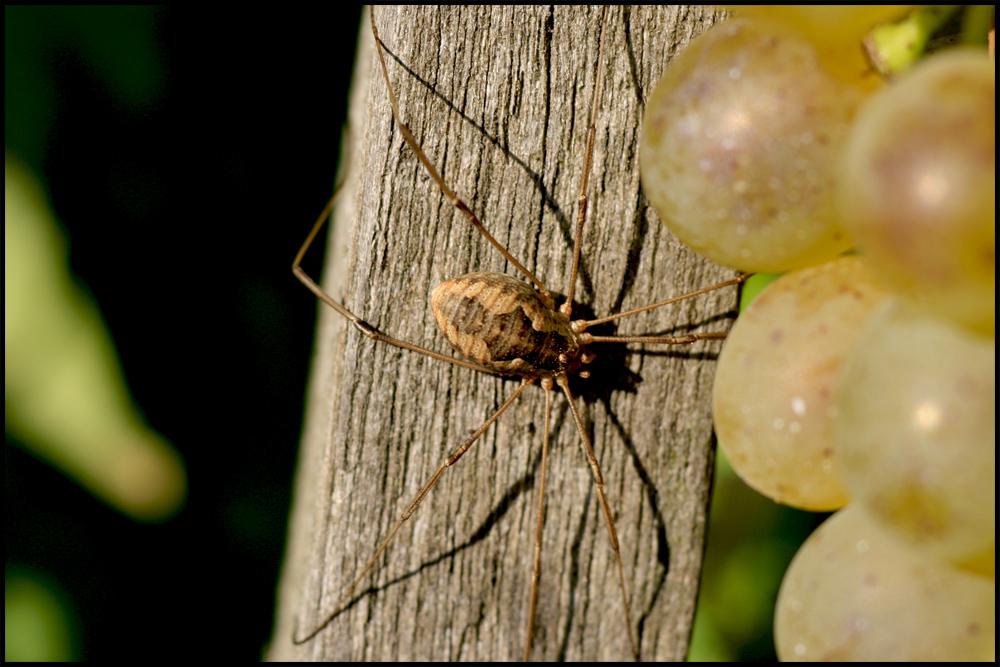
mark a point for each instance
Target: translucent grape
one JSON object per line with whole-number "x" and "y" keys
{"x": 919, "y": 186}
{"x": 916, "y": 431}
{"x": 853, "y": 593}
{"x": 739, "y": 146}
{"x": 773, "y": 393}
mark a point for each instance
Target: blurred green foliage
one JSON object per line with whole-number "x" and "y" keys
{"x": 751, "y": 541}
{"x": 38, "y": 626}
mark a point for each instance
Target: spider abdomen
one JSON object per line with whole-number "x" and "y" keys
{"x": 502, "y": 323}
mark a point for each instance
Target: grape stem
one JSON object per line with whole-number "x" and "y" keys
{"x": 892, "y": 48}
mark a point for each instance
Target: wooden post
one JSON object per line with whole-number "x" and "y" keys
{"x": 499, "y": 99}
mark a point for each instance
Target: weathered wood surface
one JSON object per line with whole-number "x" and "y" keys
{"x": 499, "y": 99}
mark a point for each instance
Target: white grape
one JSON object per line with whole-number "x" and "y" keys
{"x": 774, "y": 385}
{"x": 916, "y": 431}
{"x": 852, "y": 593}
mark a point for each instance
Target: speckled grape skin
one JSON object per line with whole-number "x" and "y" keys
{"x": 852, "y": 593}
{"x": 739, "y": 148}
{"x": 775, "y": 382}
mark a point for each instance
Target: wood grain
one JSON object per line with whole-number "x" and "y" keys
{"x": 499, "y": 99}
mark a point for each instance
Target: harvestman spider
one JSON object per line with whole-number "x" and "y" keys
{"x": 456, "y": 535}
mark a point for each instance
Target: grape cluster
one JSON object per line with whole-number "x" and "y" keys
{"x": 863, "y": 383}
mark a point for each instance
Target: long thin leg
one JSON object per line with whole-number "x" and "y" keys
{"x": 450, "y": 461}
{"x": 359, "y": 324}
{"x": 609, "y": 522}
{"x": 452, "y": 197}
{"x": 567, "y": 307}
{"x": 537, "y": 571}
{"x": 652, "y": 340}
{"x": 579, "y": 326}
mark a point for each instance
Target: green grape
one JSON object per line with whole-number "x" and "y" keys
{"x": 739, "y": 148}
{"x": 918, "y": 190}
{"x": 836, "y": 30}
{"x": 916, "y": 431}
{"x": 852, "y": 593}
{"x": 773, "y": 392}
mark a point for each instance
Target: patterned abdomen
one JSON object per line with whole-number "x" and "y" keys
{"x": 501, "y": 323}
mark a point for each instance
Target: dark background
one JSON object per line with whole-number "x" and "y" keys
{"x": 186, "y": 153}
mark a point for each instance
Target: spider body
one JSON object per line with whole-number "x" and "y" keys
{"x": 504, "y": 325}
